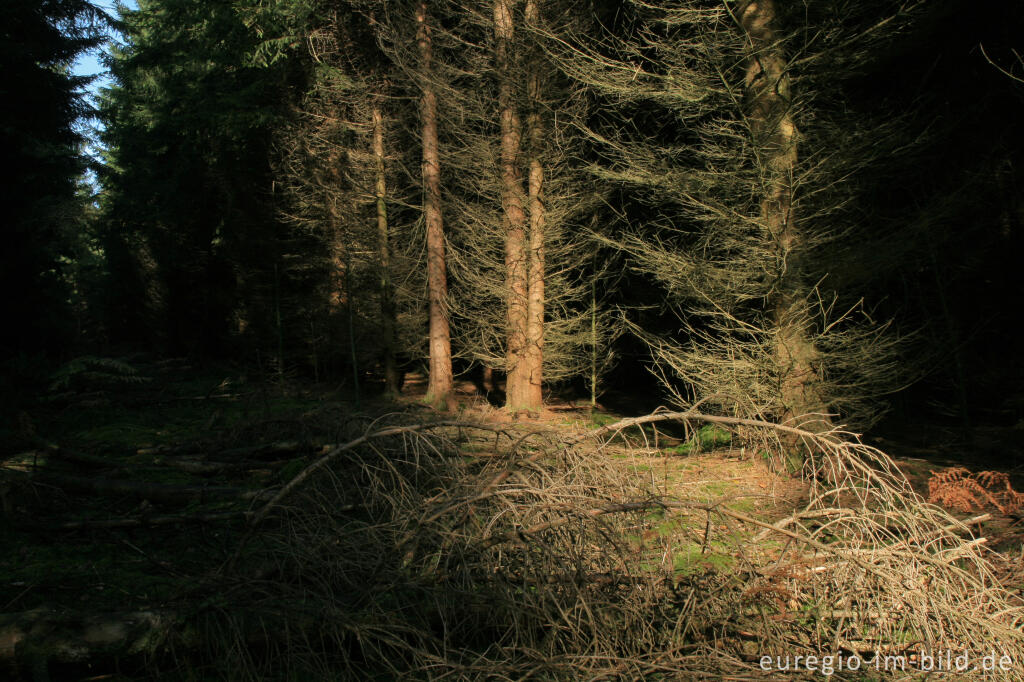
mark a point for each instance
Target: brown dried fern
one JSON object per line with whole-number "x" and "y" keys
{"x": 959, "y": 489}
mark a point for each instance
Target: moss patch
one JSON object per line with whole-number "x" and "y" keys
{"x": 708, "y": 437}
{"x": 691, "y": 559}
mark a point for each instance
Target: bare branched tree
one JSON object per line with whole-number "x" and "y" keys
{"x": 520, "y": 255}
{"x": 729, "y": 135}
{"x": 340, "y": 170}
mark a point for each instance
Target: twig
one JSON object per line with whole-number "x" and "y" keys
{"x": 258, "y": 517}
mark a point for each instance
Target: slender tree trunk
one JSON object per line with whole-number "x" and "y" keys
{"x": 336, "y": 292}
{"x": 535, "y": 274}
{"x": 593, "y": 338}
{"x": 336, "y": 287}
{"x": 387, "y": 293}
{"x": 351, "y": 318}
{"x": 769, "y": 96}
{"x": 488, "y": 379}
{"x": 439, "y": 388}
{"x": 514, "y": 215}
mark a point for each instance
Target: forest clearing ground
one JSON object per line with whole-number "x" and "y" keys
{"x": 164, "y": 431}
{"x": 701, "y": 467}
{"x": 169, "y": 432}
{"x": 663, "y": 458}
{"x": 720, "y": 474}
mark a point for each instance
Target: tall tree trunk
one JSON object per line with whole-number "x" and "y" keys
{"x": 439, "y": 388}
{"x": 336, "y": 293}
{"x": 514, "y": 215}
{"x": 535, "y": 274}
{"x": 770, "y": 114}
{"x": 387, "y": 293}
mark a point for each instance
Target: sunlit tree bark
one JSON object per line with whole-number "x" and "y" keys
{"x": 439, "y": 388}
{"x": 513, "y": 214}
{"x": 774, "y": 133}
{"x": 534, "y": 355}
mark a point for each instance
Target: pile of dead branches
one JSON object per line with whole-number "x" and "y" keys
{"x": 456, "y": 550}
{"x": 465, "y": 551}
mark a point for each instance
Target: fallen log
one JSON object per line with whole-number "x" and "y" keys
{"x": 156, "y": 492}
{"x": 32, "y": 459}
{"x": 37, "y": 638}
{"x": 143, "y": 521}
{"x": 284, "y": 447}
{"x": 204, "y": 468}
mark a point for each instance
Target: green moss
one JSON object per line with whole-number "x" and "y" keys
{"x": 669, "y": 528}
{"x": 603, "y": 418}
{"x": 708, "y": 437}
{"x": 657, "y": 513}
{"x": 691, "y": 559}
{"x": 182, "y": 416}
{"x": 97, "y": 572}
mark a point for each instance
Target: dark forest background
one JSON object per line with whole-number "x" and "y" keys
{"x": 206, "y": 229}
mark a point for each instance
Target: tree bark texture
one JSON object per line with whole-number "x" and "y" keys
{"x": 513, "y": 213}
{"x": 387, "y": 290}
{"x": 770, "y": 113}
{"x": 535, "y": 197}
{"x": 439, "y": 388}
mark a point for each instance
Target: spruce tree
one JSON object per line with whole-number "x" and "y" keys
{"x": 41, "y": 129}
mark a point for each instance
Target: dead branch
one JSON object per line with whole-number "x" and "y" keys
{"x": 339, "y": 449}
{"x": 284, "y": 447}
{"x": 157, "y": 492}
{"x": 205, "y": 468}
{"x": 144, "y": 521}
{"x": 585, "y": 568}
{"x": 42, "y": 635}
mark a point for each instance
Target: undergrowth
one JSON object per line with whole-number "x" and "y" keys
{"x": 407, "y": 548}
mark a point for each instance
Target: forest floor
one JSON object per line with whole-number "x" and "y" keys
{"x": 133, "y": 493}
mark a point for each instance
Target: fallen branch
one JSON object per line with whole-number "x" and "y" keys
{"x": 144, "y": 521}
{"x": 159, "y": 492}
{"x": 32, "y": 459}
{"x": 205, "y": 468}
{"x": 282, "y": 448}
{"x": 339, "y": 449}
{"x": 551, "y": 546}
{"x": 41, "y": 636}
{"x": 691, "y": 415}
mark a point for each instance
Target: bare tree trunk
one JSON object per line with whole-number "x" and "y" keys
{"x": 535, "y": 275}
{"x": 769, "y": 93}
{"x": 336, "y": 293}
{"x": 339, "y": 295}
{"x": 387, "y": 293}
{"x": 514, "y": 221}
{"x": 439, "y": 388}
